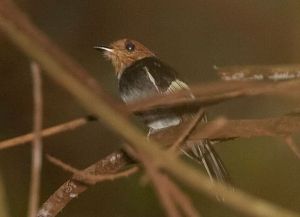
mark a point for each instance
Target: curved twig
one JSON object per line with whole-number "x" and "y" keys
{"x": 75, "y": 80}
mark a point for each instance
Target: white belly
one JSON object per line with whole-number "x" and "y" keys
{"x": 164, "y": 123}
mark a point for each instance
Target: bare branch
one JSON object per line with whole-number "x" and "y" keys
{"x": 168, "y": 192}
{"x": 90, "y": 179}
{"x": 71, "y": 125}
{"x": 257, "y": 72}
{"x": 24, "y": 34}
{"x": 187, "y": 131}
{"x": 246, "y": 128}
{"x": 217, "y": 92}
{"x": 279, "y": 126}
{"x": 293, "y": 146}
{"x": 72, "y": 188}
{"x": 36, "y": 154}
{"x": 232, "y": 129}
{"x": 166, "y": 189}
{"x": 182, "y": 200}
{"x": 161, "y": 189}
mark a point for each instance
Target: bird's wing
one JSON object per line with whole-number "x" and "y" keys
{"x": 166, "y": 82}
{"x": 176, "y": 85}
{"x": 203, "y": 152}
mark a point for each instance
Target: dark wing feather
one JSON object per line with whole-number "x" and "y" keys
{"x": 150, "y": 76}
{"x": 145, "y": 78}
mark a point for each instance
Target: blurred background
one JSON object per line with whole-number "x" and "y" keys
{"x": 192, "y": 36}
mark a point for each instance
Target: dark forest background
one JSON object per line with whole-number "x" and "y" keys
{"x": 192, "y": 36}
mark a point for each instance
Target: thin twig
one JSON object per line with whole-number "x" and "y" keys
{"x": 70, "y": 125}
{"x": 182, "y": 200}
{"x": 167, "y": 190}
{"x": 219, "y": 124}
{"x": 293, "y": 146}
{"x": 187, "y": 131}
{"x": 90, "y": 178}
{"x": 36, "y": 158}
{"x": 16, "y": 25}
{"x": 161, "y": 189}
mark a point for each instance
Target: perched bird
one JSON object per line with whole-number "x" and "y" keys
{"x": 142, "y": 74}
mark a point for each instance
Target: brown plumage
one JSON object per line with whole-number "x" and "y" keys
{"x": 124, "y": 52}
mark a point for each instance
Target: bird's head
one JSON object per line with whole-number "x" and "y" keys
{"x": 124, "y": 52}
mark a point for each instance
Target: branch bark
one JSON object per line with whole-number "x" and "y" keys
{"x": 257, "y": 72}
{"x": 72, "y": 188}
{"x": 18, "y": 28}
{"x": 88, "y": 178}
{"x": 244, "y": 128}
{"x": 277, "y": 126}
{"x": 60, "y": 128}
{"x": 215, "y": 93}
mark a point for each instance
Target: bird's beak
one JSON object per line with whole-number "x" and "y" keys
{"x": 104, "y": 49}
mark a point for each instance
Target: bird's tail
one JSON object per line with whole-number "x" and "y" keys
{"x": 205, "y": 154}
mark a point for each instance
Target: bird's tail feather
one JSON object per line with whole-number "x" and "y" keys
{"x": 204, "y": 153}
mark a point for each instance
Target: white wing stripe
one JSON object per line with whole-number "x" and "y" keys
{"x": 178, "y": 85}
{"x": 151, "y": 78}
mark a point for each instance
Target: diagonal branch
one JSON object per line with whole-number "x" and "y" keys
{"x": 19, "y": 29}
{"x": 168, "y": 192}
{"x": 162, "y": 191}
{"x": 293, "y": 146}
{"x": 181, "y": 199}
{"x": 90, "y": 179}
{"x": 187, "y": 131}
{"x": 72, "y": 188}
{"x": 60, "y": 128}
{"x": 216, "y": 92}
{"x": 243, "y": 128}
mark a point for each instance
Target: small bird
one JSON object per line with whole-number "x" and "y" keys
{"x": 142, "y": 74}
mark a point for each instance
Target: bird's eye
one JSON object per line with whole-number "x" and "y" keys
{"x": 129, "y": 46}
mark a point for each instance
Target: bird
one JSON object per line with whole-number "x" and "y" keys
{"x": 142, "y": 74}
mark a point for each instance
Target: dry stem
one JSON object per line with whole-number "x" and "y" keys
{"x": 36, "y": 158}
{"x": 161, "y": 189}
{"x": 72, "y": 188}
{"x": 180, "y": 198}
{"x": 76, "y": 80}
{"x": 293, "y": 146}
{"x": 70, "y": 125}
{"x": 186, "y": 132}
{"x": 90, "y": 179}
